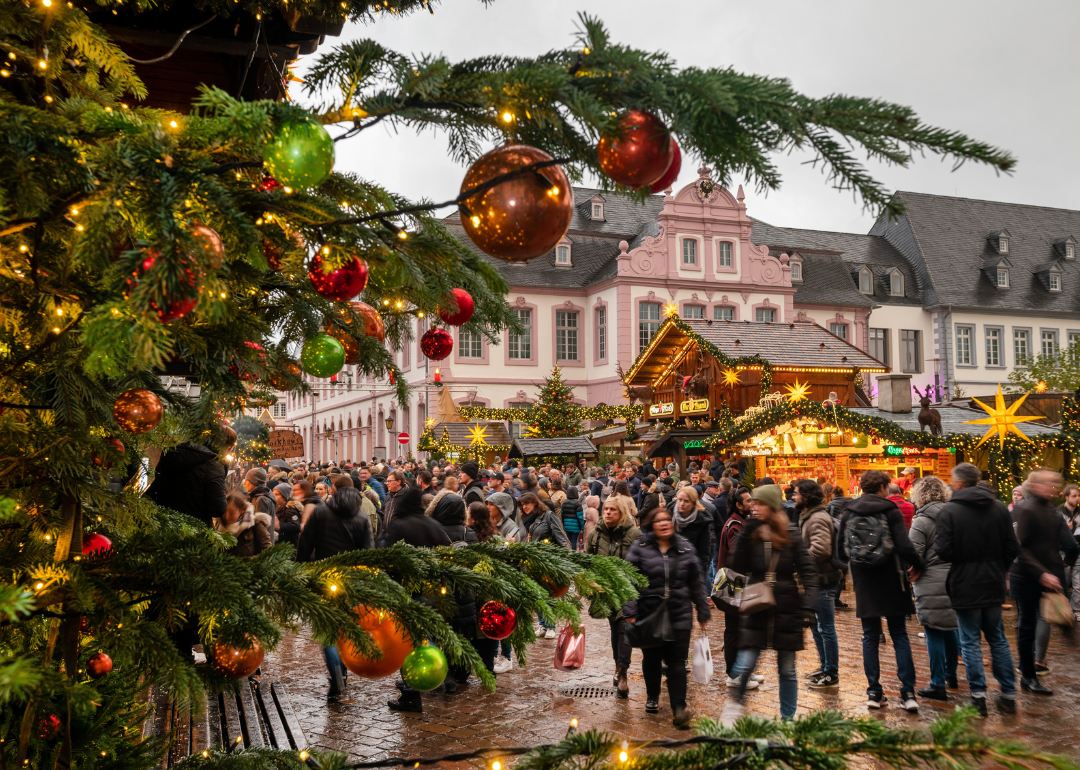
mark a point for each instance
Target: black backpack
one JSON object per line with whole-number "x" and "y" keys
{"x": 867, "y": 539}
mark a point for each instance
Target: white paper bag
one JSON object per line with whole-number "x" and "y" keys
{"x": 702, "y": 662}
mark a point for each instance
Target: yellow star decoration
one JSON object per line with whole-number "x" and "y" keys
{"x": 1040, "y": 387}
{"x": 731, "y": 377}
{"x": 671, "y": 308}
{"x": 429, "y": 422}
{"x": 1001, "y": 419}
{"x": 798, "y": 392}
{"x": 478, "y": 434}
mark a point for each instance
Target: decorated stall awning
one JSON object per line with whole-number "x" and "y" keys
{"x": 551, "y": 447}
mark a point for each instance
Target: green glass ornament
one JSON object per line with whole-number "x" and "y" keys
{"x": 322, "y": 356}
{"x": 424, "y": 668}
{"x": 300, "y": 154}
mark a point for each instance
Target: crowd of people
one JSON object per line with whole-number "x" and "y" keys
{"x": 946, "y": 552}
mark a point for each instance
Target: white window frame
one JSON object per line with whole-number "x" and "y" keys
{"x": 647, "y": 325}
{"x": 1022, "y": 338}
{"x": 796, "y": 270}
{"x": 759, "y": 314}
{"x": 992, "y": 336}
{"x": 874, "y": 337}
{"x": 895, "y": 276}
{"x": 601, "y": 333}
{"x": 839, "y": 328}
{"x": 723, "y": 313}
{"x": 867, "y": 274}
{"x": 696, "y": 312}
{"x": 689, "y": 251}
{"x": 519, "y": 344}
{"x": 1002, "y": 281}
{"x": 567, "y": 337}
{"x": 597, "y": 211}
{"x": 562, "y": 255}
{"x": 723, "y": 254}
{"x": 1051, "y": 336}
{"x": 1070, "y": 251}
{"x": 470, "y": 344}
{"x": 1003, "y": 245}
{"x": 965, "y": 355}
{"x": 1055, "y": 281}
{"x": 916, "y": 338}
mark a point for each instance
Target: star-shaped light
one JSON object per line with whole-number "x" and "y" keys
{"x": 1040, "y": 387}
{"x": 478, "y": 435}
{"x": 429, "y": 422}
{"x": 798, "y": 391}
{"x": 731, "y": 377}
{"x": 1001, "y": 419}
{"x": 671, "y": 308}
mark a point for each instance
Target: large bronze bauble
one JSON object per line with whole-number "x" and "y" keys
{"x": 237, "y": 663}
{"x": 524, "y": 217}
{"x": 373, "y": 322}
{"x": 388, "y": 637}
{"x": 137, "y": 410}
{"x": 639, "y": 153}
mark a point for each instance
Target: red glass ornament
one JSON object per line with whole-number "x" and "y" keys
{"x": 98, "y": 665}
{"x": 342, "y": 283}
{"x": 269, "y": 184}
{"x": 211, "y": 243}
{"x": 248, "y": 375}
{"x": 49, "y": 727}
{"x": 174, "y": 307}
{"x": 137, "y": 410}
{"x": 524, "y": 217}
{"x": 106, "y": 461}
{"x": 640, "y": 153}
{"x": 465, "y": 308}
{"x": 237, "y": 663}
{"x": 387, "y": 635}
{"x": 669, "y": 177}
{"x": 96, "y": 545}
{"x": 496, "y": 620}
{"x": 391, "y": 377}
{"x": 373, "y": 322}
{"x": 436, "y": 344}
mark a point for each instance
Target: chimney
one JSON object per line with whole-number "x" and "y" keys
{"x": 894, "y": 392}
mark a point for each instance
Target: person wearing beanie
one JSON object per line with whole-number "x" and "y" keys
{"x": 287, "y": 516}
{"x": 261, "y": 498}
{"x": 770, "y": 544}
{"x": 472, "y": 488}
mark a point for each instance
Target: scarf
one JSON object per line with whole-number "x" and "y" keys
{"x": 682, "y": 523}
{"x": 246, "y": 521}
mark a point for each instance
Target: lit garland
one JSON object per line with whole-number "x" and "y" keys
{"x": 443, "y": 446}
{"x": 519, "y": 414}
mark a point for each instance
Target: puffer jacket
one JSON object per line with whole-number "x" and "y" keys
{"x": 932, "y": 605}
{"x": 572, "y": 515}
{"x": 780, "y": 628}
{"x": 336, "y": 526}
{"x": 190, "y": 479}
{"x": 818, "y": 534}
{"x": 974, "y": 535}
{"x": 686, "y": 582}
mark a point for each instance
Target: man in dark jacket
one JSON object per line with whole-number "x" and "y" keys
{"x": 739, "y": 510}
{"x": 260, "y": 497}
{"x": 975, "y": 534}
{"x": 190, "y": 479}
{"x": 396, "y": 483}
{"x": 1043, "y": 537}
{"x": 716, "y": 467}
{"x": 472, "y": 489}
{"x": 881, "y": 589}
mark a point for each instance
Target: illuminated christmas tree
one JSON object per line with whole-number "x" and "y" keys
{"x": 554, "y": 415}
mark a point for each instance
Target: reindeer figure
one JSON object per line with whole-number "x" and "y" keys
{"x": 928, "y": 418}
{"x": 642, "y": 393}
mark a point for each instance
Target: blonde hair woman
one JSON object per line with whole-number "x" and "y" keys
{"x": 695, "y": 523}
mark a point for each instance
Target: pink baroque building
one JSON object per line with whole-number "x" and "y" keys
{"x": 594, "y": 302}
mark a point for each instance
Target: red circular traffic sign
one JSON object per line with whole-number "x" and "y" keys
{"x": 403, "y": 438}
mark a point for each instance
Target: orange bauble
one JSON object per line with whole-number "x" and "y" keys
{"x": 211, "y": 244}
{"x": 373, "y": 322}
{"x": 556, "y": 591}
{"x": 640, "y": 153}
{"x": 137, "y": 410}
{"x": 524, "y": 217}
{"x": 352, "y": 348}
{"x": 236, "y": 663}
{"x": 388, "y": 637}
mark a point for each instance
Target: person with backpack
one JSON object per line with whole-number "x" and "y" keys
{"x": 573, "y": 517}
{"x": 874, "y": 542}
{"x": 818, "y": 534}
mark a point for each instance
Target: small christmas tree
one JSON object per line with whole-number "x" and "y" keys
{"x": 555, "y": 415}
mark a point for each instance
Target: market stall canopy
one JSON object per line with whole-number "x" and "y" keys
{"x": 473, "y": 433}
{"x": 544, "y": 447}
{"x": 953, "y": 419}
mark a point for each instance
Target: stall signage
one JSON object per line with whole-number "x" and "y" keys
{"x": 286, "y": 443}
{"x": 897, "y": 451}
{"x": 659, "y": 410}
{"x": 757, "y": 452}
{"x": 695, "y": 406}
{"x": 697, "y": 443}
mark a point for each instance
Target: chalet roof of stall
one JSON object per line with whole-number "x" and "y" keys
{"x": 543, "y": 447}
{"x": 460, "y": 433}
{"x": 783, "y": 345}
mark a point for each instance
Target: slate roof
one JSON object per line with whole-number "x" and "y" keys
{"x": 829, "y": 282}
{"x": 947, "y": 238}
{"x": 782, "y": 344}
{"x": 594, "y": 244}
{"x": 952, "y": 421}
{"x": 538, "y": 447}
{"x": 459, "y": 432}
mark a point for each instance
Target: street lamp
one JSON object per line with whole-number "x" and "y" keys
{"x": 390, "y": 431}
{"x": 390, "y": 424}
{"x": 330, "y": 435}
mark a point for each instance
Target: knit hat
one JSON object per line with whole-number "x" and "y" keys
{"x": 671, "y": 468}
{"x": 771, "y": 495}
{"x": 256, "y": 476}
{"x": 471, "y": 469}
{"x": 504, "y": 502}
{"x": 285, "y": 490}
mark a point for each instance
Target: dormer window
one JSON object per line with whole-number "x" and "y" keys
{"x": 866, "y": 281}
{"x": 796, "y": 271}
{"x": 1003, "y": 245}
{"x": 999, "y": 241}
{"x": 1070, "y": 251}
{"x": 1002, "y": 278}
{"x": 1066, "y": 247}
{"x": 598, "y": 211}
{"x": 1055, "y": 281}
{"x": 896, "y": 283}
{"x": 562, "y": 255}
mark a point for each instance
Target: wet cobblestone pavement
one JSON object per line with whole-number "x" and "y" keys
{"x": 528, "y": 709}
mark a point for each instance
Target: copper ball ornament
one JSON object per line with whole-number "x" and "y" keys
{"x": 523, "y": 217}
{"x": 387, "y": 636}
{"x": 137, "y": 410}
{"x": 554, "y": 589}
{"x": 339, "y": 283}
{"x": 236, "y": 662}
{"x": 436, "y": 344}
{"x": 465, "y": 309}
{"x": 98, "y": 665}
{"x": 639, "y": 153}
{"x": 496, "y": 620}
{"x": 350, "y": 345}
{"x": 211, "y": 244}
{"x": 373, "y": 322}
{"x": 669, "y": 177}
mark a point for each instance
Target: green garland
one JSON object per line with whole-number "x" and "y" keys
{"x": 428, "y": 443}
{"x": 519, "y": 414}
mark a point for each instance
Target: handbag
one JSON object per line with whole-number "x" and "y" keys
{"x": 570, "y": 649}
{"x": 1055, "y": 609}
{"x": 727, "y": 590}
{"x": 758, "y": 597}
{"x": 702, "y": 666}
{"x": 655, "y": 628}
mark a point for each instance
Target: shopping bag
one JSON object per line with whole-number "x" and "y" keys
{"x": 1055, "y": 609}
{"x": 702, "y": 661}
{"x": 570, "y": 649}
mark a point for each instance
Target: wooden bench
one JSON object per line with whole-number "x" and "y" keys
{"x": 260, "y": 715}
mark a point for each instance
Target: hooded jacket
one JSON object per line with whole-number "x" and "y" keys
{"x": 571, "y": 512}
{"x": 450, "y": 513}
{"x": 411, "y": 526}
{"x": 932, "y": 605}
{"x": 974, "y": 535}
{"x": 190, "y": 479}
{"x": 881, "y": 591}
{"x": 252, "y": 533}
{"x": 686, "y": 582}
{"x": 336, "y": 526}
{"x": 473, "y": 492}
{"x": 263, "y": 500}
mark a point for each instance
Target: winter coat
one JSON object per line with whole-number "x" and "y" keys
{"x": 881, "y": 591}
{"x": 336, "y": 526}
{"x": 389, "y": 510}
{"x": 700, "y": 533}
{"x": 837, "y": 506}
{"x": 728, "y": 537}
{"x": 508, "y": 529}
{"x": 592, "y": 519}
{"x": 435, "y": 501}
{"x": 450, "y": 513}
{"x": 975, "y": 536}
{"x": 288, "y": 517}
{"x": 574, "y": 478}
{"x": 719, "y": 504}
{"x": 716, "y": 469}
{"x": 613, "y": 541}
{"x": 573, "y": 518}
{"x": 557, "y": 499}
{"x": 1043, "y": 536}
{"x": 411, "y": 526}
{"x": 686, "y": 582}
{"x": 780, "y": 628}
{"x": 252, "y": 533}
{"x": 818, "y": 533}
{"x": 473, "y": 493}
{"x": 932, "y": 605}
{"x": 379, "y": 487}
{"x": 263, "y": 501}
{"x": 907, "y": 509}
{"x": 545, "y": 525}
{"x": 190, "y": 479}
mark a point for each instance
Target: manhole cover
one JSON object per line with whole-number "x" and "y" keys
{"x": 586, "y": 691}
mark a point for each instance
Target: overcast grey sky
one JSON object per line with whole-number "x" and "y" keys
{"x": 1002, "y": 72}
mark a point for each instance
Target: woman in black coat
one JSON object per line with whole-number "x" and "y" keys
{"x": 771, "y": 539}
{"x": 694, "y": 523}
{"x": 670, "y": 564}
